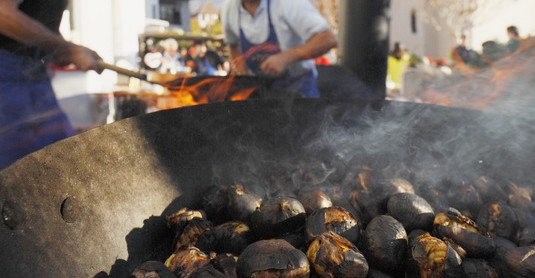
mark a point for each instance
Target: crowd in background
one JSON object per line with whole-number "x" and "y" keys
{"x": 462, "y": 59}
{"x": 194, "y": 58}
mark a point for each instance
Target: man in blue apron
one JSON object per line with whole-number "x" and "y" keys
{"x": 30, "y": 117}
{"x": 277, "y": 38}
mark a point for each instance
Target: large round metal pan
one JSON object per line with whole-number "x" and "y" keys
{"x": 93, "y": 205}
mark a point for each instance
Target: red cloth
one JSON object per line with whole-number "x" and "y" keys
{"x": 323, "y": 61}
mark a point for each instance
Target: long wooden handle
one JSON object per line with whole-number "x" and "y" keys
{"x": 121, "y": 70}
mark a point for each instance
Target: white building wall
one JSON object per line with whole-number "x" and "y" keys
{"x": 426, "y": 41}
{"x": 515, "y": 12}
{"x": 92, "y": 27}
{"x": 152, "y": 9}
{"x": 429, "y": 42}
{"x": 128, "y": 22}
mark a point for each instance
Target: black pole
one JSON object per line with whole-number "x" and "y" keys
{"x": 364, "y": 41}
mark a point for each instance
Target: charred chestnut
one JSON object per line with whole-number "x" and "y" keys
{"x": 335, "y": 219}
{"x": 277, "y": 216}
{"x": 229, "y": 237}
{"x": 185, "y": 260}
{"x": 431, "y": 257}
{"x": 412, "y": 211}
{"x": 364, "y": 195}
{"x": 428, "y": 254}
{"x": 180, "y": 219}
{"x": 190, "y": 234}
{"x": 504, "y": 248}
{"x": 386, "y": 244}
{"x": 498, "y": 219}
{"x": 373, "y": 273}
{"x": 314, "y": 199}
{"x": 526, "y": 228}
{"x": 398, "y": 185}
{"x": 226, "y": 263}
{"x": 153, "y": 269}
{"x": 272, "y": 258}
{"x": 332, "y": 255}
{"x": 521, "y": 260}
{"x": 478, "y": 268}
{"x": 464, "y": 232}
{"x": 241, "y": 203}
{"x": 465, "y": 198}
{"x": 489, "y": 189}
{"x": 208, "y": 271}
{"x": 215, "y": 203}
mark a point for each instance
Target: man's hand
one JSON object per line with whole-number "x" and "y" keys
{"x": 82, "y": 57}
{"x": 276, "y": 64}
{"x": 26, "y": 30}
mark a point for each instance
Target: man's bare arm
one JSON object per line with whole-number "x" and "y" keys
{"x": 24, "y": 29}
{"x": 316, "y": 46}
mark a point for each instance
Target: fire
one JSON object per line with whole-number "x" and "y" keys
{"x": 207, "y": 90}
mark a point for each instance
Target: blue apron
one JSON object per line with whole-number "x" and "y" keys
{"x": 255, "y": 54}
{"x": 30, "y": 117}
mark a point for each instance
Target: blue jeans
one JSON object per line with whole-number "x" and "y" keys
{"x": 30, "y": 117}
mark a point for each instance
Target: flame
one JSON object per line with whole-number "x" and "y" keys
{"x": 208, "y": 90}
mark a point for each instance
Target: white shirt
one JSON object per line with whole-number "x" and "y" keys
{"x": 294, "y": 21}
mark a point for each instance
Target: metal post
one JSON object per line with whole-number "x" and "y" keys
{"x": 364, "y": 41}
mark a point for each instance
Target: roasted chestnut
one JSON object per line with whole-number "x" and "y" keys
{"x": 208, "y": 271}
{"x": 226, "y": 263}
{"x": 386, "y": 244}
{"x": 502, "y": 257}
{"x": 431, "y": 257}
{"x": 464, "y": 232}
{"x": 397, "y": 185}
{"x": 498, "y": 219}
{"x": 335, "y": 219}
{"x": 180, "y": 219}
{"x": 489, "y": 189}
{"x": 412, "y": 211}
{"x": 185, "y": 260}
{"x": 373, "y": 273}
{"x": 190, "y": 234}
{"x": 521, "y": 260}
{"x": 314, "y": 199}
{"x": 272, "y": 258}
{"x": 465, "y": 198}
{"x": 478, "y": 268}
{"x": 366, "y": 194}
{"x": 241, "y": 203}
{"x": 332, "y": 255}
{"x": 277, "y": 216}
{"x": 215, "y": 204}
{"x": 229, "y": 237}
{"x": 526, "y": 228}
{"x": 152, "y": 269}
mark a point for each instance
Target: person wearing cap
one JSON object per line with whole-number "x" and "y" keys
{"x": 30, "y": 117}
{"x": 278, "y": 39}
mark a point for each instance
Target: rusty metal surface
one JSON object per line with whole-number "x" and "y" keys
{"x": 93, "y": 205}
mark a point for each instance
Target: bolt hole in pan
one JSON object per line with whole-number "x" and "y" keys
{"x": 130, "y": 175}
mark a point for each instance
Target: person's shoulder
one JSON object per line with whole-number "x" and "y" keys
{"x": 292, "y": 3}
{"x": 229, "y": 6}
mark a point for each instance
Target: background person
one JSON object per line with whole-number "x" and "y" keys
{"x": 514, "y": 39}
{"x": 171, "y": 60}
{"x": 30, "y": 117}
{"x": 277, "y": 38}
